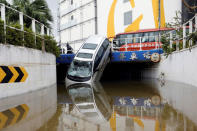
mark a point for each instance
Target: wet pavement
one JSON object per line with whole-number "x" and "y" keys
{"x": 109, "y": 106}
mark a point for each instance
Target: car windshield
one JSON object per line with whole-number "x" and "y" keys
{"x": 80, "y": 69}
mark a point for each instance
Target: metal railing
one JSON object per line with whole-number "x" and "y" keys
{"x": 184, "y": 32}
{"x": 21, "y": 15}
{"x": 136, "y": 42}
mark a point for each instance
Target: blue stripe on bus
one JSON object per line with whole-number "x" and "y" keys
{"x": 119, "y": 56}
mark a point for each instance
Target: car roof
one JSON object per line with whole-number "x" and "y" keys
{"x": 94, "y": 39}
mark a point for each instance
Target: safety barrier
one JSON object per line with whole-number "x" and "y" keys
{"x": 185, "y": 31}
{"x": 37, "y": 33}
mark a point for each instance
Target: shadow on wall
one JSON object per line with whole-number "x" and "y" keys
{"x": 61, "y": 72}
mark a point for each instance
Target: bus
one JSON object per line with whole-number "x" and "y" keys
{"x": 147, "y": 39}
{"x": 90, "y": 60}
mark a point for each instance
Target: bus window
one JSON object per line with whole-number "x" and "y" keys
{"x": 129, "y": 38}
{"x": 151, "y": 36}
{"x": 157, "y": 36}
{"x": 156, "y": 33}
{"x": 121, "y": 40}
{"x": 145, "y": 37}
{"x": 161, "y": 32}
{"x": 117, "y": 37}
{"x": 122, "y": 36}
{"x": 116, "y": 41}
{"x": 137, "y": 37}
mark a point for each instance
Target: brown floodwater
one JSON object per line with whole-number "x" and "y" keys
{"x": 109, "y": 106}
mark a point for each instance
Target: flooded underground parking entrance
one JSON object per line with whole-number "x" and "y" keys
{"x": 108, "y": 106}
{"x": 98, "y": 65}
{"x": 123, "y": 101}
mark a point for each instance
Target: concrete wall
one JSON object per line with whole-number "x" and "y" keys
{"x": 41, "y": 69}
{"x": 181, "y": 97}
{"x": 179, "y": 66}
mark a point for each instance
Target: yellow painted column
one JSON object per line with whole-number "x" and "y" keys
{"x": 163, "y": 21}
{"x": 110, "y": 23}
{"x": 155, "y": 6}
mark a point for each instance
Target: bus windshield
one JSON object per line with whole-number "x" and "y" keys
{"x": 80, "y": 69}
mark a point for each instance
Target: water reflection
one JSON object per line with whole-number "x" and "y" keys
{"x": 13, "y": 115}
{"x": 91, "y": 101}
{"x": 117, "y": 106}
{"x": 182, "y": 98}
{"x": 94, "y": 109}
{"x": 28, "y": 112}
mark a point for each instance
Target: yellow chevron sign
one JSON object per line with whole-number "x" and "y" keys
{"x": 13, "y": 115}
{"x": 10, "y": 74}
